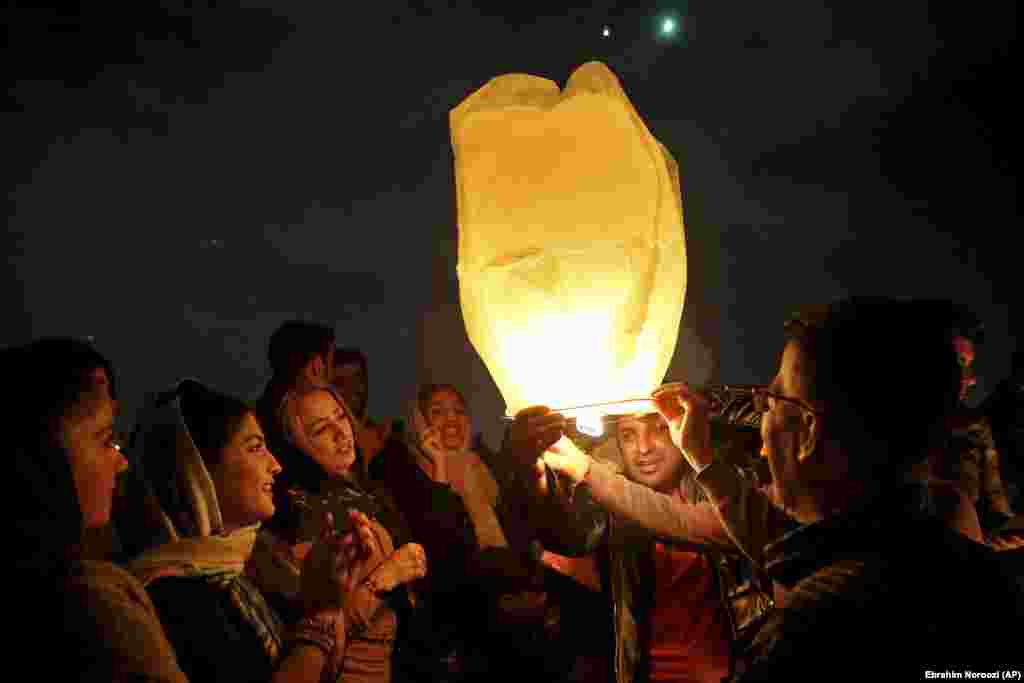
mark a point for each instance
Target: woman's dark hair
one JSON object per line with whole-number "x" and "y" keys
{"x": 212, "y": 418}
{"x": 53, "y": 377}
{"x": 427, "y": 392}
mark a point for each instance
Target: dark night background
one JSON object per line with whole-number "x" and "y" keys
{"x": 184, "y": 176}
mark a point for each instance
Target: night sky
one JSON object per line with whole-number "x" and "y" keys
{"x": 183, "y": 177}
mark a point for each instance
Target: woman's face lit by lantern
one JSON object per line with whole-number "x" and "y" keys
{"x": 446, "y": 412}
{"x": 328, "y": 432}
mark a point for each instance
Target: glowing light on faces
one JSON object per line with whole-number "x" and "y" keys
{"x": 94, "y": 459}
{"x": 326, "y": 432}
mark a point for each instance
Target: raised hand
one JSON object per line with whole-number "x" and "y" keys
{"x": 325, "y": 578}
{"x": 565, "y": 457}
{"x": 687, "y": 414}
{"x": 430, "y": 442}
{"x": 405, "y": 565}
{"x": 533, "y": 431}
{"x": 364, "y": 553}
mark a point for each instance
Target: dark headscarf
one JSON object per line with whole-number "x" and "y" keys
{"x": 44, "y": 525}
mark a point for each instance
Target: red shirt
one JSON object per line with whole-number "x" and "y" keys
{"x": 689, "y": 627}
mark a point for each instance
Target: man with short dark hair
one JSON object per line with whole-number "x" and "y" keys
{"x": 871, "y": 584}
{"x": 666, "y": 599}
{"x": 300, "y": 352}
{"x": 352, "y": 380}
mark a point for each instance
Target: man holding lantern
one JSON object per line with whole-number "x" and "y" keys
{"x": 869, "y": 563}
{"x": 670, "y": 601}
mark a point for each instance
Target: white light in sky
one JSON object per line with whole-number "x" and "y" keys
{"x": 668, "y": 26}
{"x": 606, "y": 32}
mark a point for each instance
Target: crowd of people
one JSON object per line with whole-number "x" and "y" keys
{"x": 811, "y": 528}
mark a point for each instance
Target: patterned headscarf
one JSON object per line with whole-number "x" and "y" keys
{"x": 181, "y": 487}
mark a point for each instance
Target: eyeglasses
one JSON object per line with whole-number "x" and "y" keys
{"x": 759, "y": 396}
{"x": 763, "y": 401}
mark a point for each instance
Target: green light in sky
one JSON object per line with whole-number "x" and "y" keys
{"x": 668, "y": 26}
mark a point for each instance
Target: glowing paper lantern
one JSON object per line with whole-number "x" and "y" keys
{"x": 572, "y": 263}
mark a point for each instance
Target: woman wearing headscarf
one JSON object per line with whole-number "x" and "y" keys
{"x": 89, "y": 619}
{"x": 441, "y": 442}
{"x": 323, "y": 472}
{"x": 211, "y": 477}
{"x": 488, "y": 600}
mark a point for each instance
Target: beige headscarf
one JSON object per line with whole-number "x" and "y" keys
{"x": 468, "y": 476}
{"x": 181, "y": 488}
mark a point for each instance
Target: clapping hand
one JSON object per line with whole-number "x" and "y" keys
{"x": 366, "y": 553}
{"x": 405, "y": 565}
{"x": 326, "y": 571}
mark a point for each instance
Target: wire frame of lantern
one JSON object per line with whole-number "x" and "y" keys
{"x": 592, "y": 419}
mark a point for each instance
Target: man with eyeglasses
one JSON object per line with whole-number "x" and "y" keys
{"x": 872, "y": 584}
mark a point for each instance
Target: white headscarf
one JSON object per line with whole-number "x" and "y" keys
{"x": 181, "y": 487}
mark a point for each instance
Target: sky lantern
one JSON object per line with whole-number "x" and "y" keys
{"x": 571, "y": 256}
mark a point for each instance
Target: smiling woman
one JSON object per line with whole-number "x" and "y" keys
{"x": 212, "y": 478}
{"x": 232, "y": 445}
{"x": 60, "y": 436}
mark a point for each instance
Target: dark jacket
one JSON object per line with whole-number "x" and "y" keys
{"x": 728, "y": 517}
{"x": 972, "y": 460}
{"x": 211, "y": 639}
{"x": 463, "y": 580}
{"x": 1005, "y": 411}
{"x": 886, "y": 592}
{"x": 626, "y": 565}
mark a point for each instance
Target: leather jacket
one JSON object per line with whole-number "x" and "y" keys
{"x": 626, "y": 565}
